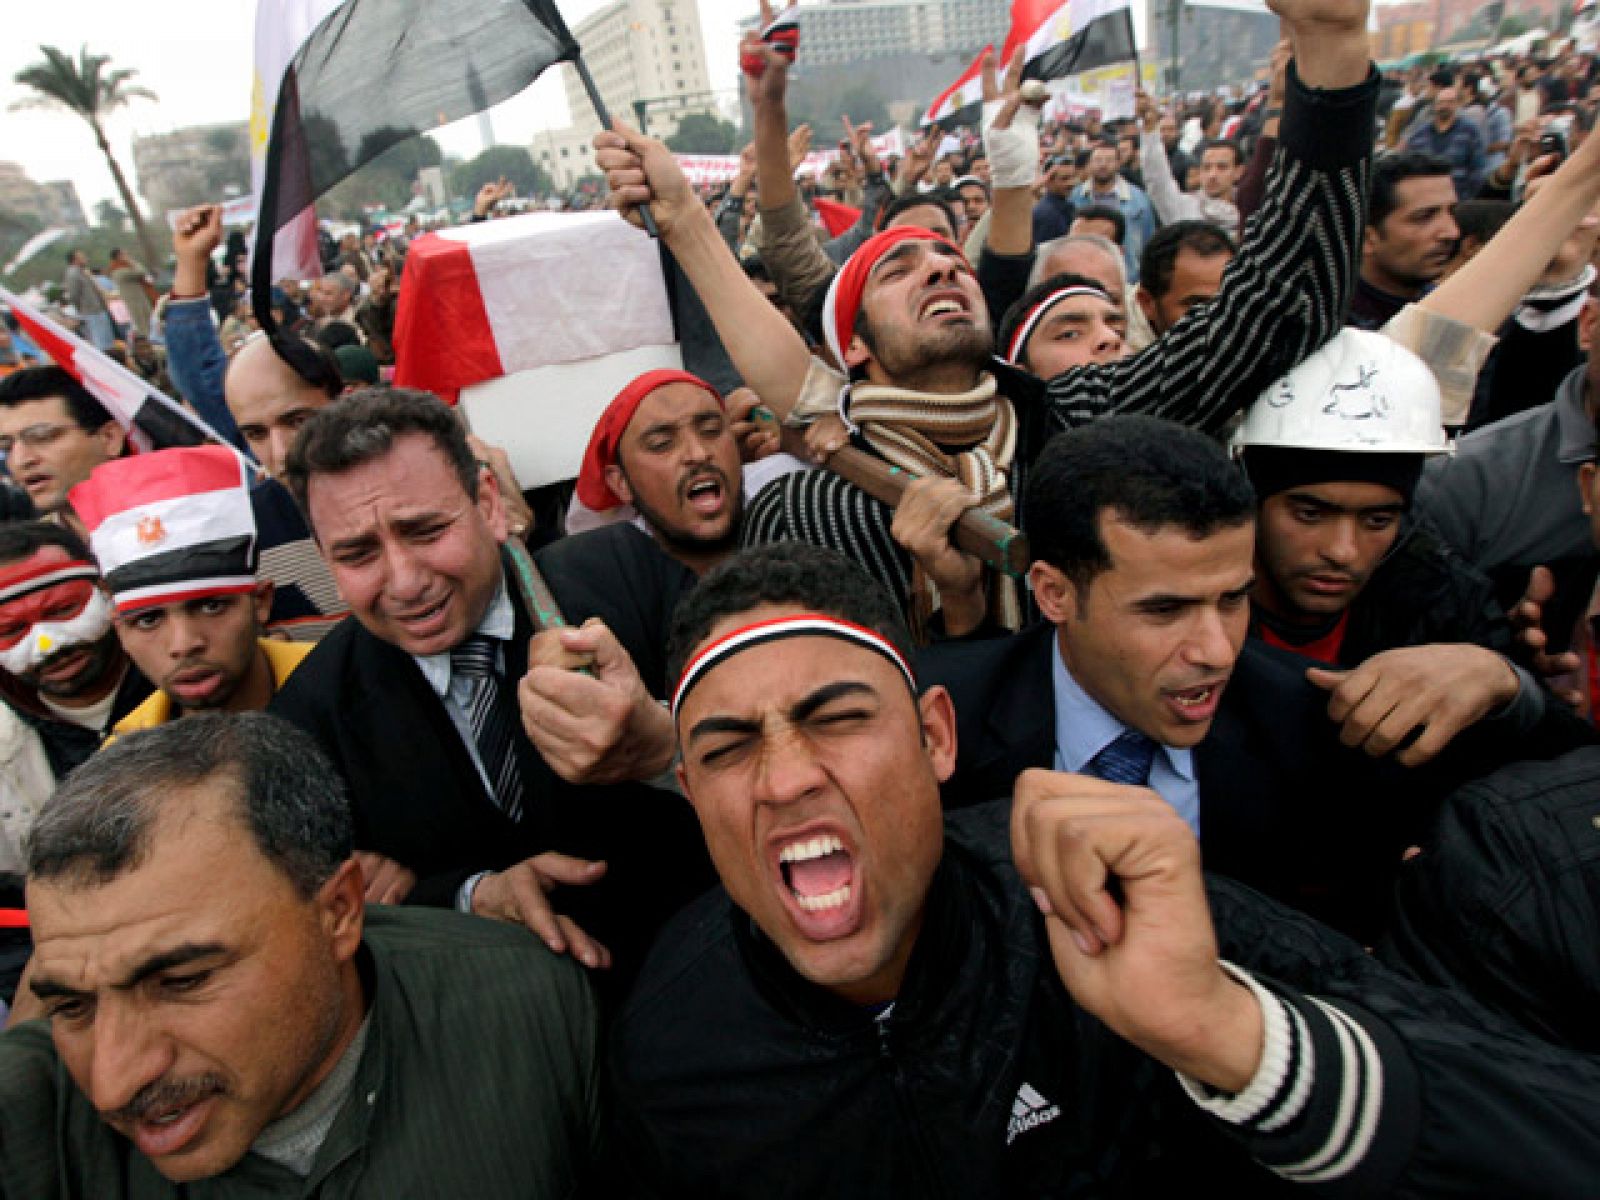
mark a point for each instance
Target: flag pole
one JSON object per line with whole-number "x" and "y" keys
{"x": 599, "y": 105}
{"x": 1133, "y": 40}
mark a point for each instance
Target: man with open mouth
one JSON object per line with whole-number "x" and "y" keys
{"x": 225, "y": 1018}
{"x": 869, "y": 1007}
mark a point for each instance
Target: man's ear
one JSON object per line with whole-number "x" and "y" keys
{"x": 1056, "y": 595}
{"x": 856, "y": 354}
{"x": 113, "y": 437}
{"x": 492, "y": 504}
{"x": 1588, "y": 318}
{"x": 1369, "y": 243}
{"x": 1586, "y": 475}
{"x": 1147, "y": 304}
{"x": 340, "y": 902}
{"x": 938, "y": 713}
{"x": 617, "y": 480}
{"x": 262, "y": 599}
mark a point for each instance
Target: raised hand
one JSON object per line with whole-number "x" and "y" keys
{"x": 641, "y": 171}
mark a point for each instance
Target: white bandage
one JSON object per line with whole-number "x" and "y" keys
{"x": 1013, "y": 152}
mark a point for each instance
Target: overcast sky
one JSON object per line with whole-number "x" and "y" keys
{"x": 196, "y": 56}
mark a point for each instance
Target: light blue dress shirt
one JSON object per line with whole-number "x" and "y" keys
{"x": 1084, "y": 728}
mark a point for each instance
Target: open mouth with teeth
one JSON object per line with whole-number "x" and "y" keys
{"x": 820, "y": 885}
{"x": 943, "y": 306}
{"x": 1195, "y": 703}
{"x": 705, "y": 494}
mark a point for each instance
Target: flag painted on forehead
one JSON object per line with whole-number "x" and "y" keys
{"x": 338, "y": 82}
{"x": 151, "y": 419}
{"x": 962, "y": 102}
{"x": 1067, "y": 37}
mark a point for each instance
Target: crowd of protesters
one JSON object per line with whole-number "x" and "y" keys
{"x": 1245, "y": 827}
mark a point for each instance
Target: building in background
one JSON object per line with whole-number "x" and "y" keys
{"x": 200, "y": 164}
{"x": 845, "y": 33}
{"x": 48, "y": 205}
{"x": 642, "y": 53}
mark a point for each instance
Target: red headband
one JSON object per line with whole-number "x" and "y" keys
{"x": 593, "y": 489}
{"x": 843, "y": 300}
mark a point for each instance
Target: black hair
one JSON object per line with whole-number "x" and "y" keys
{"x": 338, "y": 333}
{"x": 1159, "y": 259}
{"x": 1104, "y": 212}
{"x": 364, "y": 425}
{"x": 912, "y": 200}
{"x": 40, "y": 383}
{"x": 1391, "y": 170}
{"x": 1151, "y": 474}
{"x": 810, "y": 577}
{"x": 19, "y": 539}
{"x": 1224, "y": 144}
{"x": 1482, "y": 219}
{"x": 310, "y": 360}
{"x": 97, "y": 826}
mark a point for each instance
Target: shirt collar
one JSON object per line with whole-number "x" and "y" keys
{"x": 500, "y": 622}
{"x": 1573, "y": 426}
{"x": 1084, "y": 728}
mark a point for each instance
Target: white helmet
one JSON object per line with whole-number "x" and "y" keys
{"x": 1362, "y": 392}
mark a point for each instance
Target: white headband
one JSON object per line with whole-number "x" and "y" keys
{"x": 1025, "y": 330}
{"x": 801, "y": 625}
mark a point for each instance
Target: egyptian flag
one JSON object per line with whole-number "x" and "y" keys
{"x": 962, "y": 102}
{"x": 151, "y": 419}
{"x": 170, "y": 526}
{"x": 338, "y": 82}
{"x": 782, "y": 33}
{"x": 1068, "y": 37}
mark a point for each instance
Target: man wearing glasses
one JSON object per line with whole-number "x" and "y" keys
{"x": 52, "y": 434}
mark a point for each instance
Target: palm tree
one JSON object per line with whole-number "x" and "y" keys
{"x": 86, "y": 88}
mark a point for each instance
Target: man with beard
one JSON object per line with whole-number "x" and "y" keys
{"x": 190, "y": 609}
{"x": 61, "y": 667}
{"x": 908, "y": 321}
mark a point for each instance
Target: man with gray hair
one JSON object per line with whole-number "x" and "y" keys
{"x": 221, "y": 1007}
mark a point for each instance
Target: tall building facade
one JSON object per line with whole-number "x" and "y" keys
{"x": 844, "y": 33}
{"x": 647, "y": 51}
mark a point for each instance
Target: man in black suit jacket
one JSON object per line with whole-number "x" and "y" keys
{"x": 1143, "y": 535}
{"x": 412, "y": 526}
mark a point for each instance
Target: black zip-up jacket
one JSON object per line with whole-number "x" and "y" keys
{"x": 733, "y": 1076}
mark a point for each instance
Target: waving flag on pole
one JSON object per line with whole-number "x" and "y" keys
{"x": 338, "y": 82}
{"x": 1068, "y": 37}
{"x": 962, "y": 102}
{"x": 153, "y": 421}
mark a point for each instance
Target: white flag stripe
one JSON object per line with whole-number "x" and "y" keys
{"x": 131, "y": 598}
{"x": 184, "y": 521}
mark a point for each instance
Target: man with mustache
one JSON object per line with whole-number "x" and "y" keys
{"x": 226, "y": 1019}
{"x": 61, "y": 667}
{"x": 190, "y": 608}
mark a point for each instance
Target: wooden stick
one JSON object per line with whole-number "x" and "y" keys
{"x": 1003, "y": 547}
{"x": 537, "y": 597}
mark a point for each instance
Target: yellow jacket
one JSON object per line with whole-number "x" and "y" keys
{"x": 282, "y": 658}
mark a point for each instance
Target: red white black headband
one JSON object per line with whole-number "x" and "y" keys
{"x": 47, "y": 575}
{"x": 1019, "y": 340}
{"x": 802, "y": 625}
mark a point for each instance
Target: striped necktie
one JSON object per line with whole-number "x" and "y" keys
{"x": 494, "y": 721}
{"x": 1126, "y": 760}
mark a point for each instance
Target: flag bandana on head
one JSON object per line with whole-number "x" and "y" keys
{"x": 169, "y": 526}
{"x": 151, "y": 419}
{"x": 338, "y": 82}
